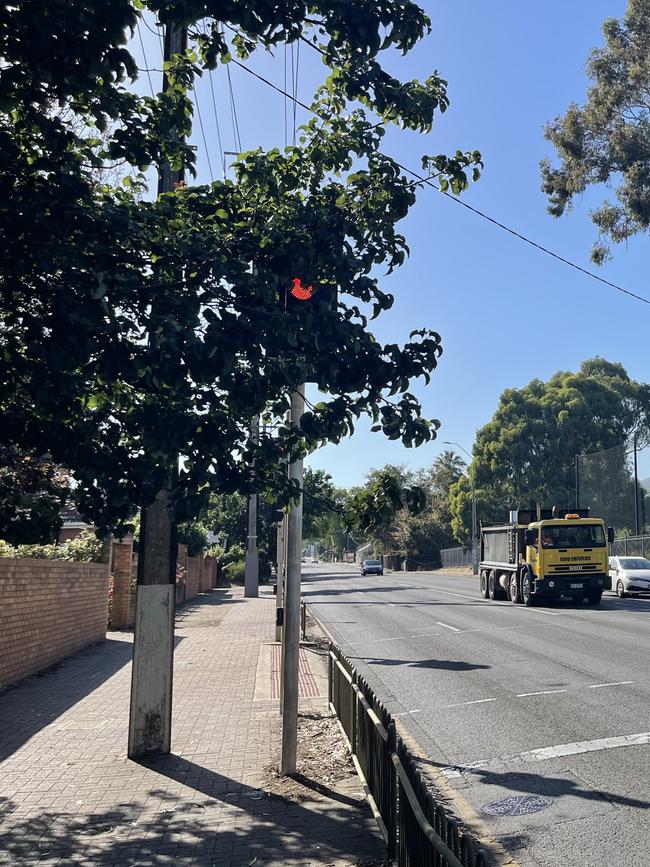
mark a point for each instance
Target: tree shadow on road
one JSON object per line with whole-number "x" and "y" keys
{"x": 529, "y": 783}
{"x": 441, "y": 664}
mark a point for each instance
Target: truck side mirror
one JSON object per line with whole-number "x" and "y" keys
{"x": 610, "y": 535}
{"x": 530, "y": 537}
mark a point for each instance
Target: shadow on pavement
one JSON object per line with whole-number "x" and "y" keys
{"x": 525, "y": 782}
{"x": 443, "y": 664}
{"x": 222, "y": 822}
{"x": 33, "y": 703}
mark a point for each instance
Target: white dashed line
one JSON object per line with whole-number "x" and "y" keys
{"x": 543, "y": 692}
{"x": 464, "y": 703}
{"x": 447, "y": 626}
{"x": 618, "y": 683}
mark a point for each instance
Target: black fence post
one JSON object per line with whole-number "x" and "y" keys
{"x": 355, "y": 709}
{"x": 329, "y": 673}
{"x": 391, "y": 826}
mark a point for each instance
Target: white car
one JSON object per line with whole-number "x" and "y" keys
{"x": 629, "y": 575}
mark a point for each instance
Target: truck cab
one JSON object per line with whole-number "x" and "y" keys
{"x": 568, "y": 557}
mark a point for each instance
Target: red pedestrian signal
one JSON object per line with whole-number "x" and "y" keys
{"x": 299, "y": 291}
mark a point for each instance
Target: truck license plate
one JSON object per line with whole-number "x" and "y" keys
{"x": 575, "y": 568}
{"x": 576, "y": 586}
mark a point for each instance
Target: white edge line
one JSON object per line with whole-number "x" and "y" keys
{"x": 543, "y": 692}
{"x": 476, "y": 701}
{"x": 618, "y": 683}
{"x": 447, "y": 626}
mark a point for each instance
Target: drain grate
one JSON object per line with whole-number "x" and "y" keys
{"x": 517, "y": 805}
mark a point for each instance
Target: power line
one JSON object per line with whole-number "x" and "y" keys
{"x": 146, "y": 62}
{"x": 205, "y": 142}
{"x": 233, "y": 111}
{"x": 479, "y": 213}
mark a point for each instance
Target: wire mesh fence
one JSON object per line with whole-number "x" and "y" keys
{"x": 461, "y": 556}
{"x": 608, "y": 483}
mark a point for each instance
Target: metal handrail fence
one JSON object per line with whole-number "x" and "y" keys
{"x": 418, "y": 831}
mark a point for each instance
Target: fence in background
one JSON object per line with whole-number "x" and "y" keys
{"x": 633, "y": 546}
{"x": 417, "y": 829}
{"x": 456, "y": 556}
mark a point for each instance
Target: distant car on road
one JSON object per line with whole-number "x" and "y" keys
{"x": 629, "y": 575}
{"x": 372, "y": 567}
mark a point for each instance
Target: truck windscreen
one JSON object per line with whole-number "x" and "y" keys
{"x": 576, "y": 536}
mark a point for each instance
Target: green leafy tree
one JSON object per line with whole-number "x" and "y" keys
{"x": 606, "y": 140}
{"x": 319, "y": 501}
{"x": 33, "y": 490}
{"x": 526, "y": 453}
{"x": 170, "y": 360}
{"x": 194, "y": 535}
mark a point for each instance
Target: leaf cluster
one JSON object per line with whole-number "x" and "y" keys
{"x": 607, "y": 140}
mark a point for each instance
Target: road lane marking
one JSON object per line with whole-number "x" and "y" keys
{"x": 543, "y": 692}
{"x": 617, "y": 683}
{"x": 520, "y": 608}
{"x": 447, "y": 626}
{"x": 559, "y": 751}
{"x": 578, "y": 747}
{"x": 464, "y": 703}
{"x": 408, "y": 712}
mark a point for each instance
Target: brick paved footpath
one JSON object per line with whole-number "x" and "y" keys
{"x": 69, "y": 795}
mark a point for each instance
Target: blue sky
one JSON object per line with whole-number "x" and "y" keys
{"x": 511, "y": 68}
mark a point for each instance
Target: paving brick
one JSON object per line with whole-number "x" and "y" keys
{"x": 69, "y": 796}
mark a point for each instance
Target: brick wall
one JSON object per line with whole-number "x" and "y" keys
{"x": 123, "y": 604}
{"x": 49, "y": 609}
{"x": 192, "y": 578}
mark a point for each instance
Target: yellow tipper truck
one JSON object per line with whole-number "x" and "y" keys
{"x": 545, "y": 553}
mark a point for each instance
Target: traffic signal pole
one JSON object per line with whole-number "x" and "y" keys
{"x": 150, "y": 711}
{"x": 291, "y": 629}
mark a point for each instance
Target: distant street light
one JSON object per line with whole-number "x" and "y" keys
{"x": 475, "y": 547}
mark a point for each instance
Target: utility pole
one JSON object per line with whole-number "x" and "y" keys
{"x": 150, "y": 711}
{"x": 291, "y": 629}
{"x": 637, "y": 529}
{"x": 252, "y": 565}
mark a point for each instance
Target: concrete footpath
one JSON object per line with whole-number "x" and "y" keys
{"x": 69, "y": 795}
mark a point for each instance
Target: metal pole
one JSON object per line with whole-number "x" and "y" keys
{"x": 150, "y": 710}
{"x": 291, "y": 631}
{"x": 475, "y": 557}
{"x": 279, "y": 580}
{"x": 577, "y": 482}
{"x": 637, "y": 531}
{"x": 252, "y": 563}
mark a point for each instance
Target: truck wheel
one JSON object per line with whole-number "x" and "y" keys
{"x": 483, "y": 583}
{"x": 620, "y": 590}
{"x": 527, "y": 590}
{"x": 594, "y": 597}
{"x": 493, "y": 593}
{"x": 513, "y": 589}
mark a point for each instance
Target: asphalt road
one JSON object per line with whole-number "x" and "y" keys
{"x": 549, "y": 701}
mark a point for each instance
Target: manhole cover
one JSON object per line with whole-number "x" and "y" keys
{"x": 517, "y": 805}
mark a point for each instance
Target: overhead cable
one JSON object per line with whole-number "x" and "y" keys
{"x": 423, "y": 180}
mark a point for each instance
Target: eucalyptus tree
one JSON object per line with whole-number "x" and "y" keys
{"x": 606, "y": 140}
